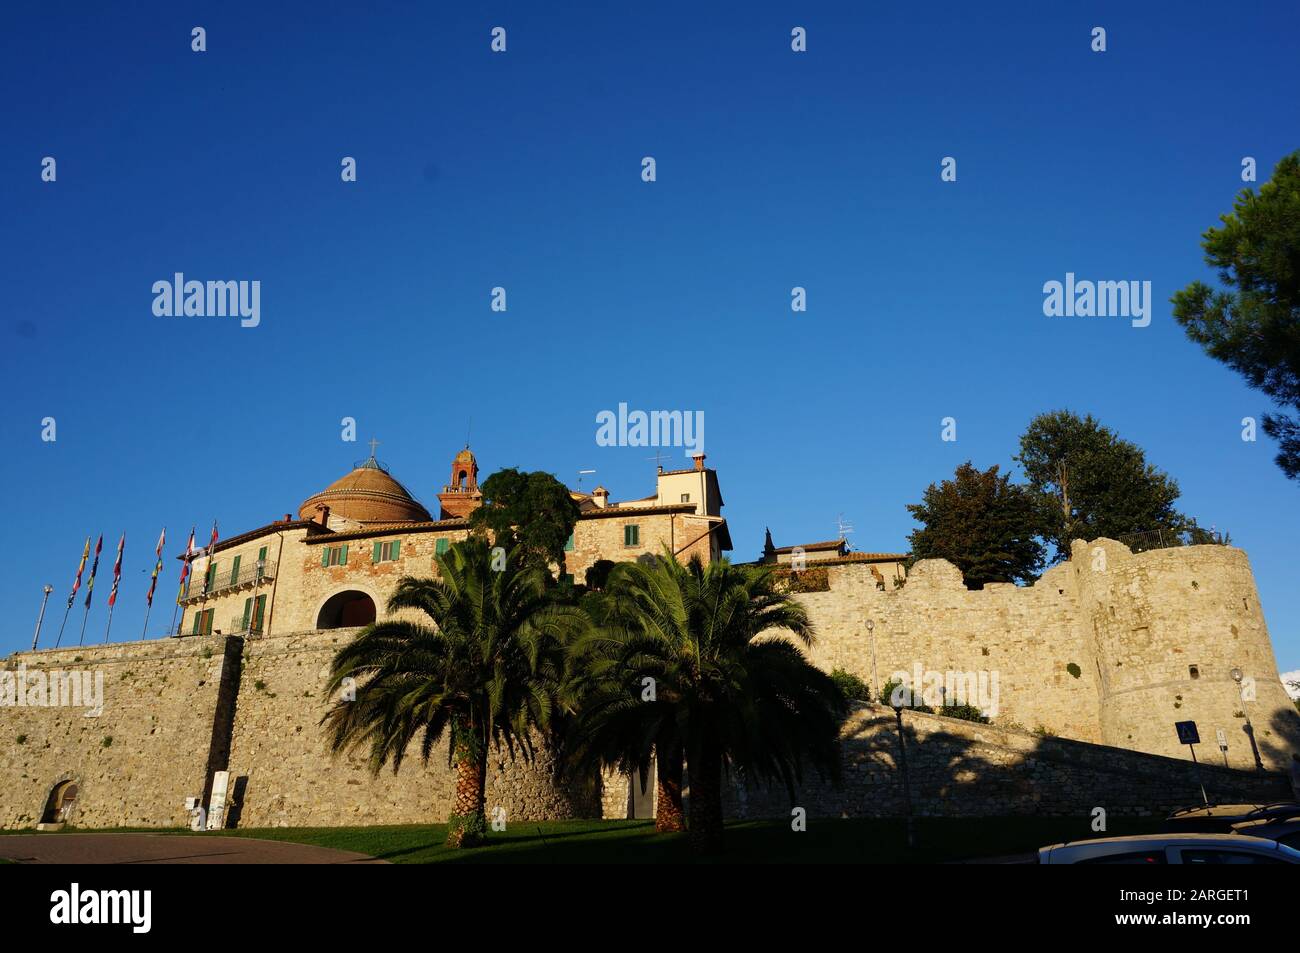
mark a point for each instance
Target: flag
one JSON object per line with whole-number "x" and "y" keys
{"x": 157, "y": 566}
{"x": 213, "y": 544}
{"x": 185, "y": 566}
{"x": 90, "y": 583}
{"x": 76, "y": 584}
{"x": 117, "y": 572}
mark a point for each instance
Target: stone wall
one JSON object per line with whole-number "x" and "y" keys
{"x": 958, "y": 768}
{"x": 134, "y": 763}
{"x": 1110, "y": 647}
{"x": 292, "y": 779}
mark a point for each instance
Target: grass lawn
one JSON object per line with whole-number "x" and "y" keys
{"x": 880, "y": 841}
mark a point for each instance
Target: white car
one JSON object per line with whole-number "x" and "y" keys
{"x": 1152, "y": 849}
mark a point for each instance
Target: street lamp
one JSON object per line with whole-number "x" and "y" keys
{"x": 875, "y": 675}
{"x": 41, "y": 618}
{"x": 1237, "y": 676}
{"x": 907, "y": 787}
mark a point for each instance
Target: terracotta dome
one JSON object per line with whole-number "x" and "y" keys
{"x": 368, "y": 495}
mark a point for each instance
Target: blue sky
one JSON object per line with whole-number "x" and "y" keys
{"x": 522, "y": 170}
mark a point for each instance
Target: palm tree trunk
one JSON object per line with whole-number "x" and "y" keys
{"x": 669, "y": 816}
{"x": 706, "y": 801}
{"x": 467, "y": 826}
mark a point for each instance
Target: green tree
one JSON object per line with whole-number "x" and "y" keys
{"x": 485, "y": 674}
{"x": 1254, "y": 325}
{"x": 725, "y": 693}
{"x": 1088, "y": 482}
{"x": 982, "y": 523}
{"x": 532, "y": 511}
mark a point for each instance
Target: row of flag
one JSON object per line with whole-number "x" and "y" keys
{"x": 190, "y": 554}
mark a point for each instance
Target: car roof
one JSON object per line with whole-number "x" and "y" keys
{"x": 1274, "y": 825}
{"x": 1234, "y": 810}
{"x": 1103, "y": 846}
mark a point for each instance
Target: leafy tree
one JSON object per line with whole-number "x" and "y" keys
{"x": 598, "y": 573}
{"x": 484, "y": 674}
{"x": 1254, "y": 326}
{"x": 533, "y": 511}
{"x": 1088, "y": 482}
{"x": 725, "y": 694}
{"x": 983, "y": 524}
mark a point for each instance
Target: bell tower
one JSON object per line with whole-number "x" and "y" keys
{"x": 461, "y": 496}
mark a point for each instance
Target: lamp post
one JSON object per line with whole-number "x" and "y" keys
{"x": 875, "y": 675}
{"x": 907, "y": 787}
{"x": 41, "y": 618}
{"x": 1237, "y": 676}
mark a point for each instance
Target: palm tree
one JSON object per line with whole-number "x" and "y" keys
{"x": 725, "y": 695}
{"x": 486, "y": 672}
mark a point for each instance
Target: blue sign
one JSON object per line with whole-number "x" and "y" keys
{"x": 1187, "y": 733}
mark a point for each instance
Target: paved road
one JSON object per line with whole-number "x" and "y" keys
{"x": 167, "y": 849}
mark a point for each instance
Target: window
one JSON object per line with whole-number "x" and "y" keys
{"x": 234, "y": 571}
{"x": 568, "y": 543}
{"x": 1227, "y": 857}
{"x": 442, "y": 546}
{"x": 261, "y": 561}
{"x": 1145, "y": 857}
{"x": 254, "y": 611}
{"x": 386, "y": 552}
{"x": 632, "y": 535}
{"x": 686, "y": 497}
{"x": 211, "y": 576}
{"x": 203, "y": 622}
{"x": 335, "y": 556}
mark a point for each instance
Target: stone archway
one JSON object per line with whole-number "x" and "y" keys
{"x": 345, "y": 610}
{"x": 59, "y": 804}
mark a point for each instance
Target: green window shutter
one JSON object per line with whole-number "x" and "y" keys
{"x": 442, "y": 546}
{"x": 261, "y": 555}
{"x": 212, "y": 573}
{"x": 234, "y": 572}
{"x": 631, "y": 535}
{"x": 375, "y": 558}
{"x": 197, "y": 616}
{"x": 248, "y": 608}
{"x": 397, "y": 545}
{"x": 259, "y": 613}
{"x": 324, "y": 555}
{"x": 568, "y": 544}
{"x": 343, "y": 556}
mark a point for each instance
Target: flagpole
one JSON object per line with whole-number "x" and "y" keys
{"x": 110, "y": 624}
{"x": 82, "y": 639}
{"x": 66, "y": 613}
{"x": 145, "y": 633}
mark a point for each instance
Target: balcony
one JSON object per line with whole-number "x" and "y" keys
{"x": 241, "y": 626}
{"x": 225, "y": 582}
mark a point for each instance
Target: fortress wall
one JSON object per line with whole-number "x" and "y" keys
{"x": 293, "y": 780}
{"x": 137, "y": 761}
{"x": 1027, "y": 635}
{"x": 960, "y": 768}
{"x": 1151, "y": 618}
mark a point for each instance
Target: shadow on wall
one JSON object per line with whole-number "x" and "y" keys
{"x": 958, "y": 768}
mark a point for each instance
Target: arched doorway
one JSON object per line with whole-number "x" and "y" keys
{"x": 58, "y": 806}
{"x": 345, "y": 610}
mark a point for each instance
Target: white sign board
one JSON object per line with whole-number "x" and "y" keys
{"x": 217, "y": 805}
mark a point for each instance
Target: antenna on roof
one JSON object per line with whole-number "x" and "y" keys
{"x": 843, "y": 527}
{"x": 580, "y": 475}
{"x": 658, "y": 458}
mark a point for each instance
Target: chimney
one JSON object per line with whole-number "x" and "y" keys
{"x": 324, "y": 512}
{"x": 600, "y": 496}
{"x": 288, "y": 517}
{"x": 699, "y": 460}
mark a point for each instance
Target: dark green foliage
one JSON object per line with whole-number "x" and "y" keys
{"x": 1253, "y": 325}
{"x": 983, "y": 524}
{"x": 852, "y": 687}
{"x": 1088, "y": 482}
{"x": 680, "y": 657}
{"x": 532, "y": 511}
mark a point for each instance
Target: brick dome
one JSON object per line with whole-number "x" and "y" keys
{"x": 368, "y": 495}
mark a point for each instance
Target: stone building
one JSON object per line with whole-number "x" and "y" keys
{"x": 336, "y": 564}
{"x": 1091, "y": 667}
